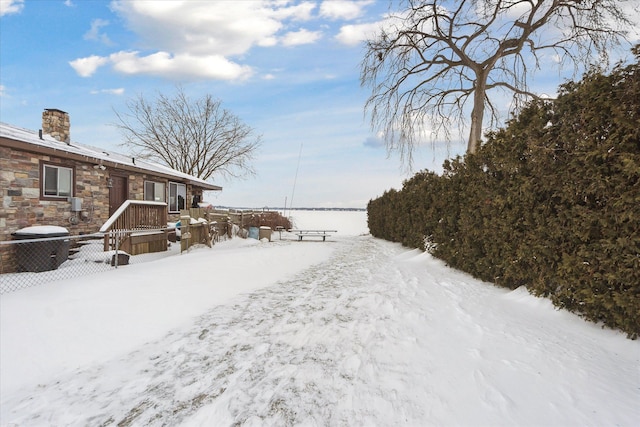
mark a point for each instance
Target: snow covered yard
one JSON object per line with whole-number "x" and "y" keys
{"x": 352, "y": 331}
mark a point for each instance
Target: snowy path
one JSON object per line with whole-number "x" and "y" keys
{"x": 376, "y": 335}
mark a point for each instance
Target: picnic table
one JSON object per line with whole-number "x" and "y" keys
{"x": 313, "y": 233}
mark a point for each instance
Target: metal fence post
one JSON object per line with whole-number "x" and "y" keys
{"x": 117, "y": 247}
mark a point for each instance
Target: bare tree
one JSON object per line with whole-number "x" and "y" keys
{"x": 197, "y": 137}
{"x": 438, "y": 58}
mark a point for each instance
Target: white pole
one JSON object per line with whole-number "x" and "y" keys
{"x": 284, "y": 212}
{"x": 295, "y": 179}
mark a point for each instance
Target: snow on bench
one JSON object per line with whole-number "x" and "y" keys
{"x": 313, "y": 233}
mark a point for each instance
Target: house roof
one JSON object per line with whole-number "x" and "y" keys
{"x": 19, "y": 138}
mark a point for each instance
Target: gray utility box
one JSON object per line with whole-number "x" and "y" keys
{"x": 44, "y": 248}
{"x": 76, "y": 204}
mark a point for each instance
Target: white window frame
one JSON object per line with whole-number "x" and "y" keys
{"x": 159, "y": 191}
{"x": 63, "y": 175}
{"x": 174, "y": 193}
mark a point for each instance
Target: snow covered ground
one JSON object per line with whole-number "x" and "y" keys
{"x": 353, "y": 331}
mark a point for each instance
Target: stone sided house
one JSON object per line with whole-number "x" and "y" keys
{"x": 46, "y": 179}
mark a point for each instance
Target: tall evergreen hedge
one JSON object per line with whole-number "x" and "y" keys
{"x": 551, "y": 202}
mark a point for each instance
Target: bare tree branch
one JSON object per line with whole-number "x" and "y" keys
{"x": 198, "y": 137}
{"x": 437, "y": 57}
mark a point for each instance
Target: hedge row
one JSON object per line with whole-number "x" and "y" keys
{"x": 551, "y": 202}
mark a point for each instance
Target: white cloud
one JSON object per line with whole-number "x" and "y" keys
{"x": 95, "y": 34}
{"x": 163, "y": 64}
{"x": 302, "y": 36}
{"x": 2, "y": 90}
{"x": 343, "y": 9}
{"x": 166, "y": 65}
{"x": 117, "y": 91}
{"x": 352, "y": 35}
{"x": 85, "y": 67}
{"x": 268, "y": 42}
{"x": 197, "y": 39}
{"x": 11, "y": 6}
{"x": 300, "y": 12}
{"x": 373, "y": 142}
{"x": 205, "y": 28}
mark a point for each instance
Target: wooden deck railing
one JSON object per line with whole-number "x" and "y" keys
{"x": 135, "y": 218}
{"x": 243, "y": 218}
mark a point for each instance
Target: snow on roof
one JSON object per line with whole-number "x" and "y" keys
{"x": 47, "y": 141}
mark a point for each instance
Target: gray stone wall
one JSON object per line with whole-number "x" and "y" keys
{"x": 23, "y": 207}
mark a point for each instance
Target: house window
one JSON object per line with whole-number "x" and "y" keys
{"x": 154, "y": 191}
{"x": 57, "y": 181}
{"x": 177, "y": 196}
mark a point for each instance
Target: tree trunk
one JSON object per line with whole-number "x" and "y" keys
{"x": 477, "y": 115}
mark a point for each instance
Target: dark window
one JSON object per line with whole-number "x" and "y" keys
{"x": 154, "y": 191}
{"x": 177, "y": 196}
{"x": 57, "y": 181}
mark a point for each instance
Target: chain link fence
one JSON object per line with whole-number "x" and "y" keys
{"x": 27, "y": 261}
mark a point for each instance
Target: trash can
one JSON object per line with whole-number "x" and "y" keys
{"x": 44, "y": 249}
{"x": 265, "y": 233}
{"x": 254, "y": 233}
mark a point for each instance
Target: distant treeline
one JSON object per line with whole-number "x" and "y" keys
{"x": 300, "y": 209}
{"x": 329, "y": 209}
{"x": 551, "y": 202}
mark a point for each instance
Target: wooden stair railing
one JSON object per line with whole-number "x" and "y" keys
{"x": 132, "y": 218}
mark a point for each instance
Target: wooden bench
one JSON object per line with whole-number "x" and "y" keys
{"x": 313, "y": 233}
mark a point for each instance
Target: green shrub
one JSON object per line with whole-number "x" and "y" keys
{"x": 551, "y": 202}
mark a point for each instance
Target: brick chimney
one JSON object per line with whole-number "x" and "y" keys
{"x": 56, "y": 123}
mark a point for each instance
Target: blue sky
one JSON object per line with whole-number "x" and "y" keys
{"x": 288, "y": 69}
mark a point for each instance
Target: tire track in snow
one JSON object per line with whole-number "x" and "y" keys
{"x": 318, "y": 349}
